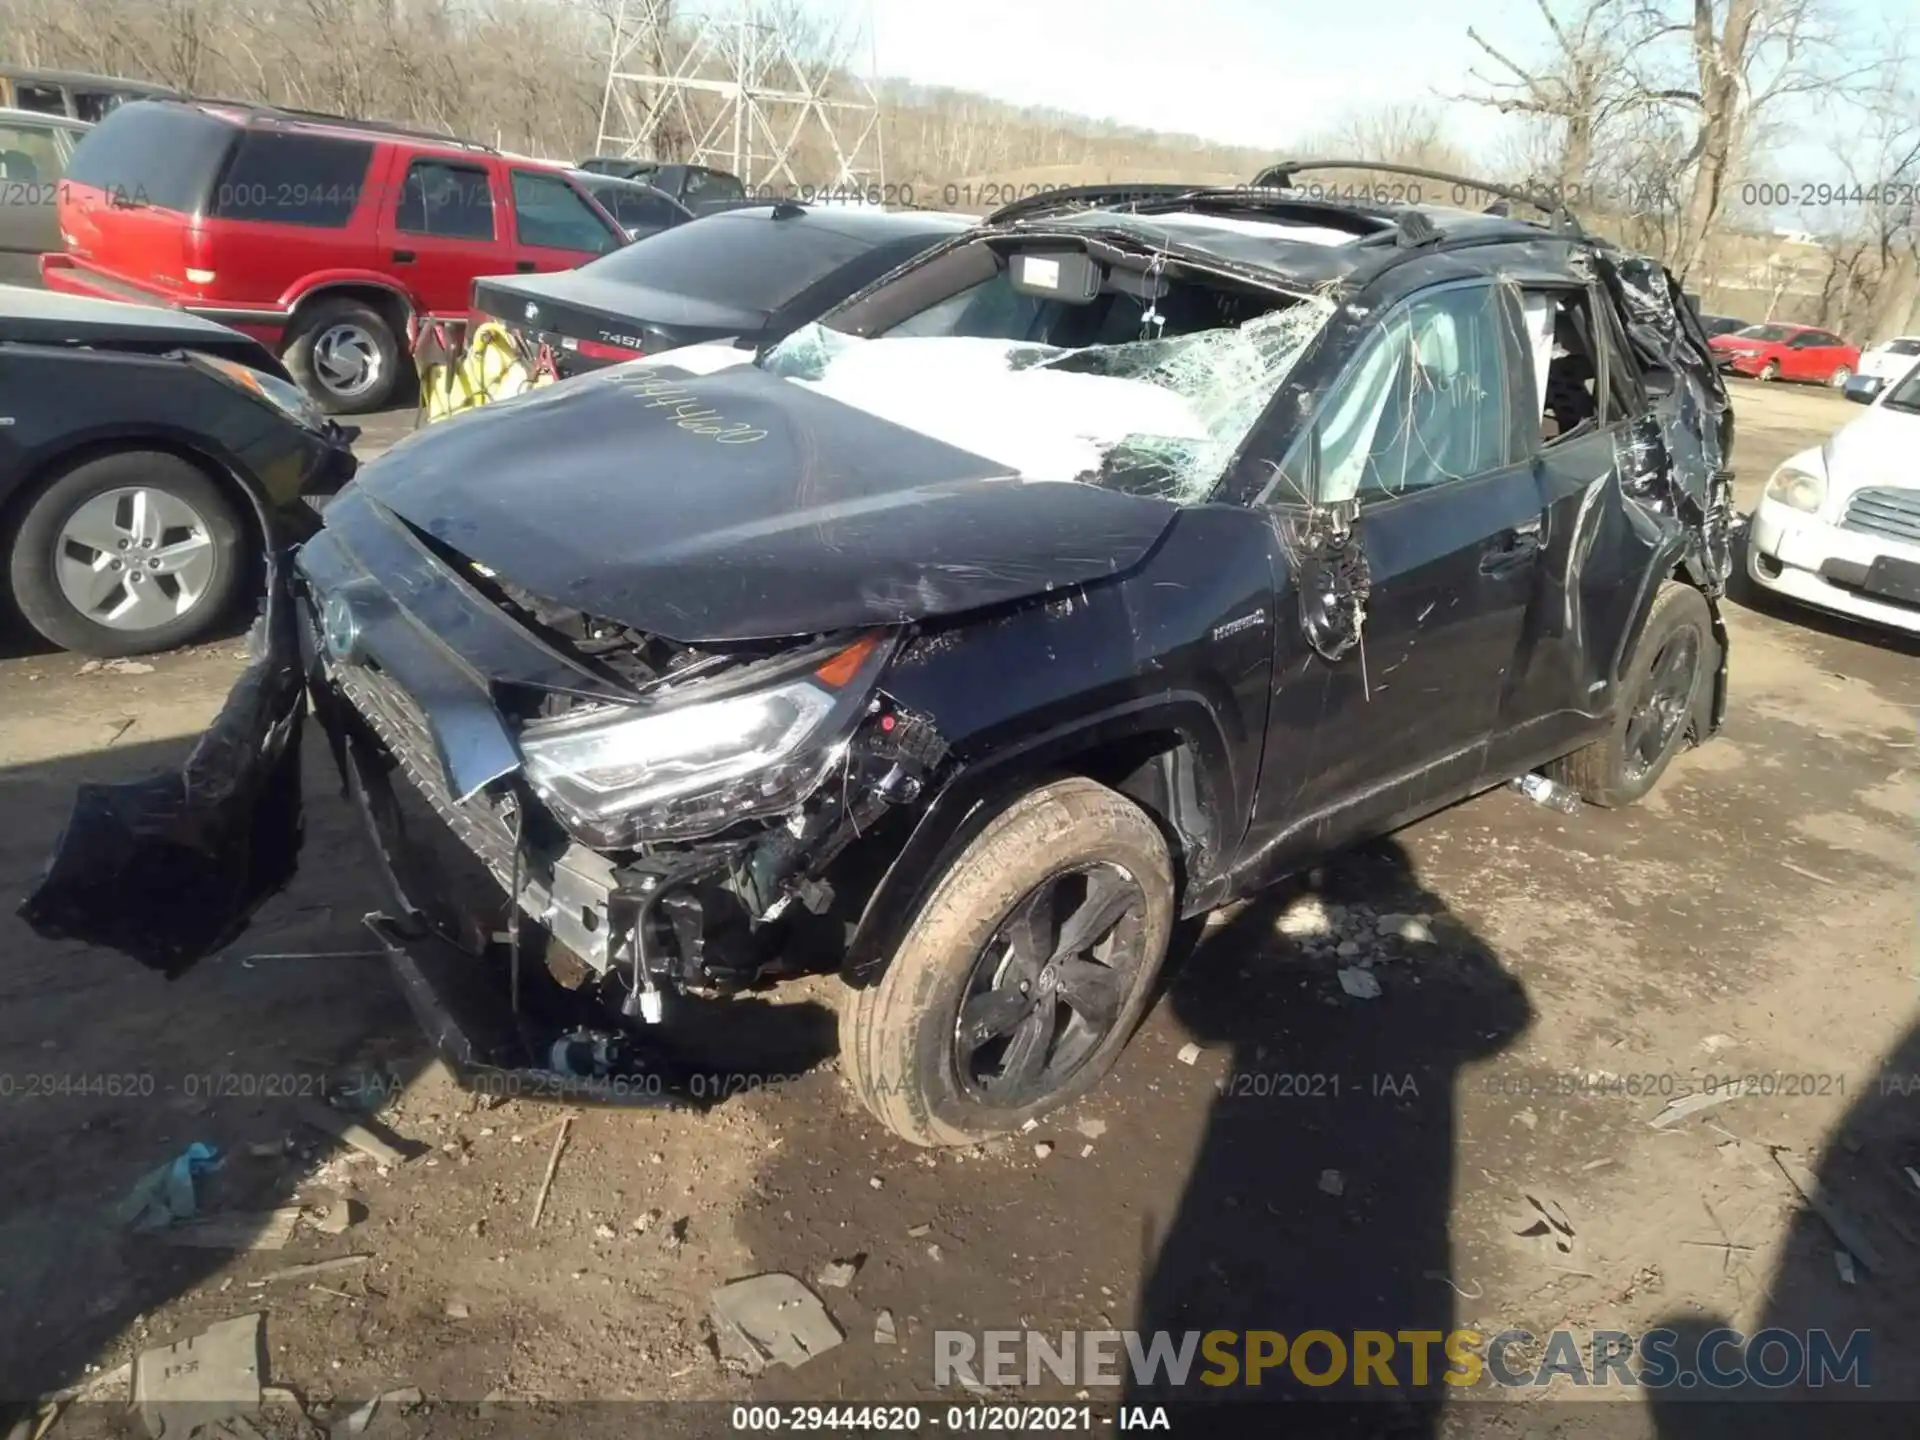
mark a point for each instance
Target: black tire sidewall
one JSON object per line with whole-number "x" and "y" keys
{"x": 36, "y": 587}
{"x": 1678, "y": 607}
{"x": 299, "y": 356}
{"x": 937, "y": 958}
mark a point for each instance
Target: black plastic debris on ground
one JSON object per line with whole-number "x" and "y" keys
{"x": 171, "y": 868}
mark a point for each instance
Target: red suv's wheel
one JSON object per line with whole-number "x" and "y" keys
{"x": 345, "y": 356}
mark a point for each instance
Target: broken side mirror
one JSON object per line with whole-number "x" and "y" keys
{"x": 1862, "y": 388}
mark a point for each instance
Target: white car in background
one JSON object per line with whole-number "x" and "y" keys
{"x": 1839, "y": 526}
{"x": 1889, "y": 360}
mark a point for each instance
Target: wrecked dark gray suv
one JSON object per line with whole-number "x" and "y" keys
{"x": 1104, "y": 564}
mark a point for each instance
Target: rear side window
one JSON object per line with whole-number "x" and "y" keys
{"x": 1573, "y": 341}
{"x": 638, "y": 209}
{"x": 159, "y": 154}
{"x": 293, "y": 179}
{"x": 42, "y": 99}
{"x": 743, "y": 259}
{"x": 549, "y": 212}
{"x": 94, "y": 106}
{"x": 712, "y": 185}
{"x": 29, "y": 154}
{"x": 451, "y": 201}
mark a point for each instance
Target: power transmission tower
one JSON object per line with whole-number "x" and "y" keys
{"x": 731, "y": 90}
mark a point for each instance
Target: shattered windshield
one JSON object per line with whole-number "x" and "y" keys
{"x": 1158, "y": 416}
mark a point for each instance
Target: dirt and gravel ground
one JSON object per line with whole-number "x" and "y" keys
{"x": 1755, "y": 917}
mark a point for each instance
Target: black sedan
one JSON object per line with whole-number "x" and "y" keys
{"x": 147, "y": 459}
{"x": 752, "y": 275}
{"x": 640, "y": 209}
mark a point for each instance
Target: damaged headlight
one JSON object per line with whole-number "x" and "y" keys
{"x": 289, "y": 400}
{"x": 1801, "y": 489}
{"x": 694, "y": 768}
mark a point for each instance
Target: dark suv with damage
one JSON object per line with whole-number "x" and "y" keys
{"x": 1093, "y": 569}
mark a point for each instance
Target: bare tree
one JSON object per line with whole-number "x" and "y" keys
{"x": 1727, "y": 64}
{"x": 1873, "y": 251}
{"x": 1573, "y": 92}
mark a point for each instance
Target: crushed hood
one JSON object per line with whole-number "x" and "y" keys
{"x": 741, "y": 506}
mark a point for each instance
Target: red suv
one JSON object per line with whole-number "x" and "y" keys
{"x": 320, "y": 236}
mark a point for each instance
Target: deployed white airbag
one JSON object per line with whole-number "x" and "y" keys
{"x": 1047, "y": 424}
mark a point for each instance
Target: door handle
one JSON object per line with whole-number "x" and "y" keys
{"x": 1513, "y": 549}
{"x": 403, "y": 257}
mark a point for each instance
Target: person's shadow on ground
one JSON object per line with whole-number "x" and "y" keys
{"x": 1861, "y": 1170}
{"x": 1320, "y": 1195}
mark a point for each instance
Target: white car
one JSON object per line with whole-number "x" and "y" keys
{"x": 1890, "y": 359}
{"x": 1839, "y": 526}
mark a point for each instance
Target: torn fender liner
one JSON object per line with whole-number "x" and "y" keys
{"x": 748, "y": 508}
{"x": 171, "y": 868}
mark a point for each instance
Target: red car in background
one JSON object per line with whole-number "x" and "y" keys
{"x": 322, "y": 237}
{"x": 1787, "y": 352}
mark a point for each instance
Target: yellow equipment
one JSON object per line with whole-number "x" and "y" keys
{"x": 460, "y": 371}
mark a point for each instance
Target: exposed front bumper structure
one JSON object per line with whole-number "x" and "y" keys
{"x": 520, "y": 949}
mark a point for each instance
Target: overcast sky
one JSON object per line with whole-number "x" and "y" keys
{"x": 1247, "y": 72}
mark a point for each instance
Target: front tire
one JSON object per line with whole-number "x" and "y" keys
{"x": 1022, "y": 975}
{"x": 345, "y": 356}
{"x": 1676, "y": 656}
{"x": 1769, "y": 372}
{"x": 126, "y": 555}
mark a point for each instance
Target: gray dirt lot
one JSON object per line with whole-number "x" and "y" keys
{"x": 1755, "y": 917}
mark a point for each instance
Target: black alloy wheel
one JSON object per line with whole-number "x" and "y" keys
{"x": 1048, "y": 988}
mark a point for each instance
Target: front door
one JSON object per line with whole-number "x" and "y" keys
{"x": 1421, "y": 431}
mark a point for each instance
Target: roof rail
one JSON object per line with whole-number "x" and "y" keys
{"x": 1280, "y": 177}
{"x": 266, "y": 111}
{"x": 1085, "y": 197}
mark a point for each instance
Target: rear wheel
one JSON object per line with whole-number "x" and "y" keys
{"x": 1840, "y": 377}
{"x": 127, "y": 554}
{"x": 1676, "y": 656}
{"x": 1023, "y": 974}
{"x": 344, "y": 355}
